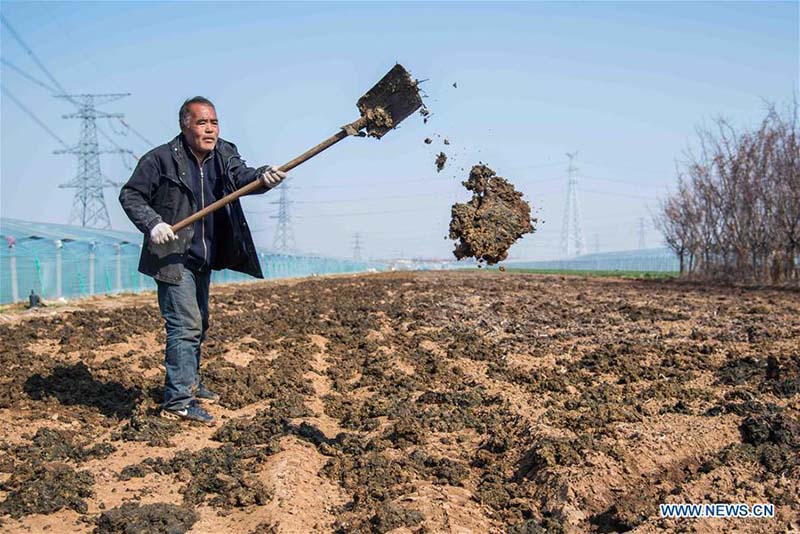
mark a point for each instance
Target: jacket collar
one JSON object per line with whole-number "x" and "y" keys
{"x": 178, "y": 151}
{"x": 179, "y": 155}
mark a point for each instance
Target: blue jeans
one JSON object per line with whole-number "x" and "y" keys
{"x": 184, "y": 308}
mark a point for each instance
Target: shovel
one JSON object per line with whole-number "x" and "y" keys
{"x": 394, "y": 97}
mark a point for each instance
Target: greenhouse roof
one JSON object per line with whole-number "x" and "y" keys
{"x": 24, "y": 230}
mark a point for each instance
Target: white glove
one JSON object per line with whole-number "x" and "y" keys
{"x": 272, "y": 177}
{"x": 161, "y": 233}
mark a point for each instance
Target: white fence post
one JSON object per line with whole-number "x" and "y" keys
{"x": 119, "y": 268}
{"x": 59, "y": 246}
{"x": 141, "y": 276}
{"x": 13, "y": 269}
{"x": 92, "y": 247}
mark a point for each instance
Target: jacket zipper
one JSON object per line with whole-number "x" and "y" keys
{"x": 203, "y": 220}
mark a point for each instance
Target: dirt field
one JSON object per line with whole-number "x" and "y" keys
{"x": 411, "y": 402}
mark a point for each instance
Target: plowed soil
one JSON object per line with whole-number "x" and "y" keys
{"x": 410, "y": 402}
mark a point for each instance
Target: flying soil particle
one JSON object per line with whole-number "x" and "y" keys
{"x": 446, "y": 141}
{"x": 425, "y": 114}
{"x": 492, "y": 221}
{"x": 441, "y": 159}
{"x": 155, "y": 518}
{"x": 428, "y": 140}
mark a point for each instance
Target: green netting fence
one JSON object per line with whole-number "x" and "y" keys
{"x": 649, "y": 260}
{"x": 60, "y": 261}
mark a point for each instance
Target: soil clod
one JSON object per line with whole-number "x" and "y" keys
{"x": 158, "y": 518}
{"x": 492, "y": 221}
{"x": 441, "y": 159}
{"x": 47, "y": 489}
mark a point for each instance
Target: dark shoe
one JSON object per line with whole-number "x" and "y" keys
{"x": 205, "y": 395}
{"x": 193, "y": 412}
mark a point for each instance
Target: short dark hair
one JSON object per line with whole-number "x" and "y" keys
{"x": 183, "y": 114}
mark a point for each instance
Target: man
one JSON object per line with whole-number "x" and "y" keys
{"x": 170, "y": 183}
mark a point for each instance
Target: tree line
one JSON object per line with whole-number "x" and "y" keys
{"x": 735, "y": 215}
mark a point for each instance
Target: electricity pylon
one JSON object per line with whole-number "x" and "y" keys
{"x": 89, "y": 205}
{"x": 284, "y": 237}
{"x": 572, "y": 239}
{"x": 357, "y": 246}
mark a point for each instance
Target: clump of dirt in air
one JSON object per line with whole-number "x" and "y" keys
{"x": 492, "y": 221}
{"x": 441, "y": 159}
{"x": 428, "y": 140}
{"x": 158, "y": 518}
{"x": 47, "y": 489}
{"x": 425, "y": 114}
{"x": 446, "y": 141}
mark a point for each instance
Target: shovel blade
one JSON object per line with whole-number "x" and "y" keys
{"x": 390, "y": 101}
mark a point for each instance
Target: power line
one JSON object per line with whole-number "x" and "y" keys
{"x": 27, "y": 76}
{"x": 52, "y": 90}
{"x": 624, "y": 166}
{"x": 340, "y": 185}
{"x": 326, "y": 215}
{"x": 119, "y": 148}
{"x": 33, "y": 56}
{"x": 626, "y": 195}
{"x": 89, "y": 207}
{"x": 33, "y": 116}
{"x": 136, "y": 133}
{"x": 58, "y": 86}
{"x": 625, "y": 182}
{"x": 362, "y": 199}
{"x": 352, "y": 214}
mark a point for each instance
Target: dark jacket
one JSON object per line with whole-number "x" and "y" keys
{"x": 158, "y": 192}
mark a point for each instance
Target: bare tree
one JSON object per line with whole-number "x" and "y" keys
{"x": 736, "y": 213}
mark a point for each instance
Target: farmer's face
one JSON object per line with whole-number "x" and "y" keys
{"x": 202, "y": 131}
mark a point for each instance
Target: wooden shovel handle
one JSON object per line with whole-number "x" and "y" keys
{"x": 255, "y": 185}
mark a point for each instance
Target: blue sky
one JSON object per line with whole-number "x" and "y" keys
{"x": 623, "y": 83}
